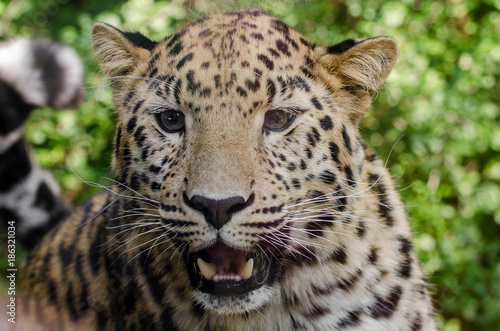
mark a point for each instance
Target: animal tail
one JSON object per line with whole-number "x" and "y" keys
{"x": 33, "y": 73}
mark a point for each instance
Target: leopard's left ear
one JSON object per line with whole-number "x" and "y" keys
{"x": 359, "y": 66}
{"x": 362, "y": 63}
{"x": 117, "y": 51}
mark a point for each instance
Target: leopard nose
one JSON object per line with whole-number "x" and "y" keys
{"x": 218, "y": 212}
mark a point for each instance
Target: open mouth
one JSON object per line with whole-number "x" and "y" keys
{"x": 223, "y": 270}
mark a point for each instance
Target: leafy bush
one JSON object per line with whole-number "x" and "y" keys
{"x": 439, "y": 113}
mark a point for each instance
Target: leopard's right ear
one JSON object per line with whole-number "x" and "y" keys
{"x": 117, "y": 51}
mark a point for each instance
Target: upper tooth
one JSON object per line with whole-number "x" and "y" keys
{"x": 245, "y": 269}
{"x": 206, "y": 269}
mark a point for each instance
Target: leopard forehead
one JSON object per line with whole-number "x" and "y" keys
{"x": 230, "y": 60}
{"x": 251, "y": 35}
{"x": 235, "y": 40}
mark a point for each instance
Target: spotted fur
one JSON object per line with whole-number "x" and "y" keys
{"x": 312, "y": 197}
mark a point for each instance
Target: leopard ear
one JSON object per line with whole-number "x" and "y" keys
{"x": 118, "y": 52}
{"x": 359, "y": 67}
{"x": 362, "y": 63}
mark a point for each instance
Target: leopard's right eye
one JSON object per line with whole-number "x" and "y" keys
{"x": 171, "y": 121}
{"x": 278, "y": 120}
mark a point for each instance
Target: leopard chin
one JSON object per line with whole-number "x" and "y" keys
{"x": 238, "y": 303}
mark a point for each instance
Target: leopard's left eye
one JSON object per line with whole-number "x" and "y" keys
{"x": 278, "y": 120}
{"x": 171, "y": 120}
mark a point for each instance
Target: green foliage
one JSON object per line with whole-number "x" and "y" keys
{"x": 439, "y": 113}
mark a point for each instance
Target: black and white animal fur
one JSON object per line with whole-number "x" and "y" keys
{"x": 33, "y": 73}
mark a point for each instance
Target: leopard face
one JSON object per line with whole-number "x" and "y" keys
{"x": 241, "y": 139}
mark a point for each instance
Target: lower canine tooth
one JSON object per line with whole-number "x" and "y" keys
{"x": 245, "y": 269}
{"x": 206, "y": 269}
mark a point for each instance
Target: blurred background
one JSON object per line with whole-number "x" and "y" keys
{"x": 439, "y": 110}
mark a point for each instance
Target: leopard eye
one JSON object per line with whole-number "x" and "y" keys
{"x": 171, "y": 120}
{"x": 278, "y": 120}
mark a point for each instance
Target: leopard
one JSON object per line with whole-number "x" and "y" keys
{"x": 243, "y": 198}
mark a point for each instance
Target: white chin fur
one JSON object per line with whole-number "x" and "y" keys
{"x": 235, "y": 304}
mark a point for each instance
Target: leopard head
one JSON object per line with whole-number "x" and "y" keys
{"x": 243, "y": 137}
